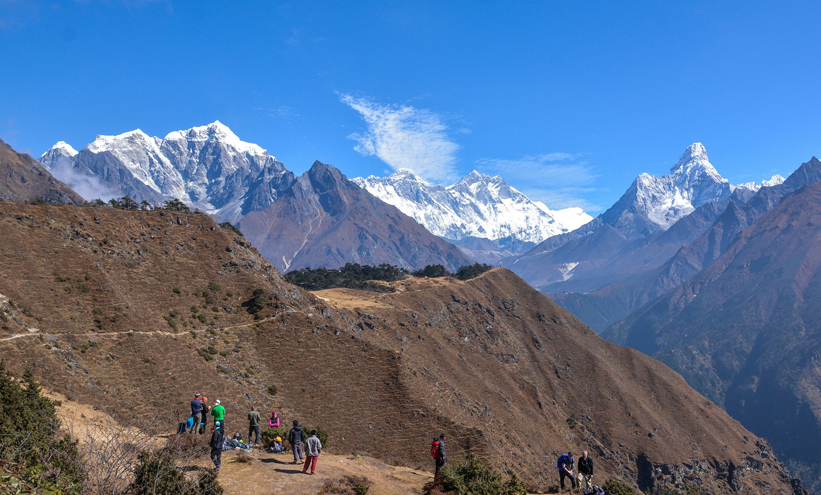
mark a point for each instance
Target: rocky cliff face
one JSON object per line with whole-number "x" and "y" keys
{"x": 155, "y": 305}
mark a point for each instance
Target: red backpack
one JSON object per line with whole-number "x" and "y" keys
{"x": 434, "y": 449}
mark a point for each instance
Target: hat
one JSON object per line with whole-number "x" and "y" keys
{"x": 196, "y": 395}
{"x": 277, "y": 439}
{"x": 273, "y": 412}
{"x": 217, "y": 402}
{"x": 205, "y": 399}
{"x": 570, "y": 454}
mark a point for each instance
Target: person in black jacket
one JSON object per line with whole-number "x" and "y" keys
{"x": 585, "y": 471}
{"x": 217, "y": 442}
{"x": 441, "y": 456}
{"x": 295, "y": 437}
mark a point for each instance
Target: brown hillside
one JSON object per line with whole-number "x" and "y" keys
{"x": 90, "y": 296}
{"x": 23, "y": 179}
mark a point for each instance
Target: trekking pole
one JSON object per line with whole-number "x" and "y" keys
{"x": 178, "y": 415}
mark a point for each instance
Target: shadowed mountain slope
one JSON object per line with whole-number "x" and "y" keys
{"x": 323, "y": 219}
{"x": 23, "y": 179}
{"x": 746, "y": 331}
{"x": 133, "y": 312}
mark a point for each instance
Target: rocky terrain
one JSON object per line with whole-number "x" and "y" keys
{"x": 132, "y": 312}
{"x": 23, "y": 179}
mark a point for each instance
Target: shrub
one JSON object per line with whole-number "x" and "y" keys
{"x": 31, "y": 445}
{"x": 202, "y": 318}
{"x": 176, "y": 290}
{"x": 272, "y": 389}
{"x": 349, "y": 485}
{"x": 256, "y": 303}
{"x": 471, "y": 477}
{"x": 615, "y": 487}
{"x": 351, "y": 276}
{"x": 214, "y": 287}
{"x": 156, "y": 473}
{"x": 269, "y": 434}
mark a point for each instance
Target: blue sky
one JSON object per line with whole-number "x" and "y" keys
{"x": 568, "y": 101}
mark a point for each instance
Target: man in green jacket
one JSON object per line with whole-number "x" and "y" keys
{"x": 253, "y": 425}
{"x": 218, "y": 411}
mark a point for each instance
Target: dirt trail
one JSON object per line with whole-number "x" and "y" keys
{"x": 265, "y": 473}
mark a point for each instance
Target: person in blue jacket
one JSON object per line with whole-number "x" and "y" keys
{"x": 565, "y": 467}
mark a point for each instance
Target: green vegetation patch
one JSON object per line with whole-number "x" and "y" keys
{"x": 350, "y": 276}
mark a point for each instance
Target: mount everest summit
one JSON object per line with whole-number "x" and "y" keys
{"x": 478, "y": 206}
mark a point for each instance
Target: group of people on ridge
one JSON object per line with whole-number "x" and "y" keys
{"x": 584, "y": 475}
{"x": 199, "y": 417}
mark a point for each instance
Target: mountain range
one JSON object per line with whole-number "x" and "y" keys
{"x": 318, "y": 219}
{"x": 483, "y": 215}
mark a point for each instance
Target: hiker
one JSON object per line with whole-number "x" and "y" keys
{"x": 189, "y": 423}
{"x": 218, "y": 411}
{"x": 204, "y": 419}
{"x": 437, "y": 450}
{"x": 196, "y": 412}
{"x": 295, "y": 439}
{"x": 217, "y": 443}
{"x": 276, "y": 447}
{"x": 565, "y": 467}
{"x": 312, "y": 449}
{"x": 273, "y": 421}
{"x": 585, "y": 470}
{"x": 253, "y": 426}
{"x": 594, "y": 490}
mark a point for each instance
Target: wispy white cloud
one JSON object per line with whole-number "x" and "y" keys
{"x": 403, "y": 136}
{"x": 559, "y": 180}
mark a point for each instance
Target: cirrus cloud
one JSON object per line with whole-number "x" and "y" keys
{"x": 407, "y": 137}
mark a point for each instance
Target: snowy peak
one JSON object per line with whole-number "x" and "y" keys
{"x": 694, "y": 164}
{"x": 477, "y": 206}
{"x": 208, "y": 167}
{"x": 215, "y": 132}
{"x": 63, "y": 148}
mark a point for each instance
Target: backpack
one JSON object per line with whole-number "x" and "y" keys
{"x": 434, "y": 449}
{"x": 276, "y": 448}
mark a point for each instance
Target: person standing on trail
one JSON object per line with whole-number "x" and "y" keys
{"x": 204, "y": 415}
{"x": 196, "y": 412}
{"x": 439, "y": 454}
{"x": 217, "y": 442}
{"x": 218, "y": 411}
{"x": 312, "y": 449}
{"x": 565, "y": 467}
{"x": 295, "y": 439}
{"x": 253, "y": 426}
{"x": 585, "y": 471}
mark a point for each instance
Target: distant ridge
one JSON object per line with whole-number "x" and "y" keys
{"x": 23, "y": 179}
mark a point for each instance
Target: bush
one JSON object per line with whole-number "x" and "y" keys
{"x": 320, "y": 433}
{"x": 471, "y": 477}
{"x": 349, "y": 485}
{"x": 269, "y": 434}
{"x": 256, "y": 303}
{"x": 272, "y": 389}
{"x": 615, "y": 487}
{"x": 32, "y": 449}
{"x": 156, "y": 473}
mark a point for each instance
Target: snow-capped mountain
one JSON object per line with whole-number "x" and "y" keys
{"x": 478, "y": 206}
{"x": 754, "y": 186}
{"x": 208, "y": 167}
{"x": 655, "y": 203}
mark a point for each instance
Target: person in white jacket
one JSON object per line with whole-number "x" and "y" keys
{"x": 312, "y": 449}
